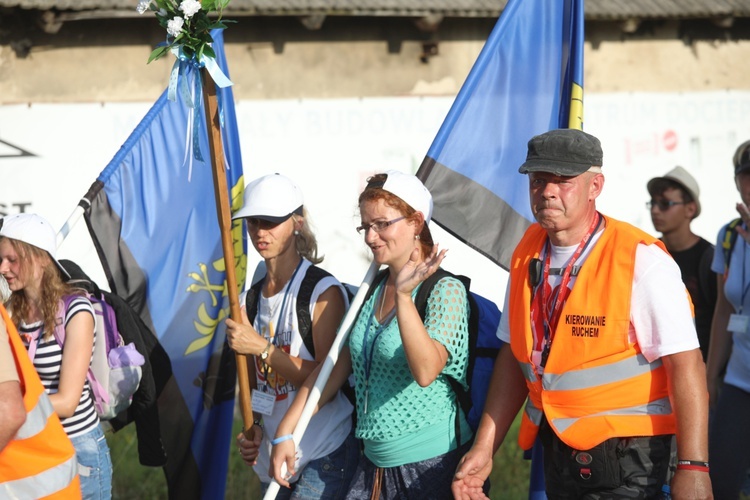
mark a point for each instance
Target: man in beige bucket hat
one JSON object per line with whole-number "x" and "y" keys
{"x": 674, "y": 204}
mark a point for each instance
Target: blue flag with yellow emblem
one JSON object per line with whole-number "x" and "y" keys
{"x": 528, "y": 79}
{"x": 153, "y": 220}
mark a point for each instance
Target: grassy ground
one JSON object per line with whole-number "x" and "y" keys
{"x": 510, "y": 476}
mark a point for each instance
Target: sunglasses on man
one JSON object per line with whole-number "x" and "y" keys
{"x": 663, "y": 205}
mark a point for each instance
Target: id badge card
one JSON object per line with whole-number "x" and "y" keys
{"x": 263, "y": 402}
{"x": 738, "y": 323}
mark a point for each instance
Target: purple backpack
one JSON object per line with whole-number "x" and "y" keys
{"x": 115, "y": 370}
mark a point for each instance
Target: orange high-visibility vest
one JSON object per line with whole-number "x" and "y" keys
{"x": 596, "y": 383}
{"x": 40, "y": 462}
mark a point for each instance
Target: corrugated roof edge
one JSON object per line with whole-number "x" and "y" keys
{"x": 595, "y": 10}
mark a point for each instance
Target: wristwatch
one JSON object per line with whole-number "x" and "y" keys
{"x": 264, "y": 353}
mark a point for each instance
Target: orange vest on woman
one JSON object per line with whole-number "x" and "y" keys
{"x": 596, "y": 383}
{"x": 40, "y": 462}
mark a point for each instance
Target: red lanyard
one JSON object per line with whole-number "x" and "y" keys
{"x": 551, "y": 320}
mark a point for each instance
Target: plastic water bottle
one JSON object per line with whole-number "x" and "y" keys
{"x": 666, "y": 494}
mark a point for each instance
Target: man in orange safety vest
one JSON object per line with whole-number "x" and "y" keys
{"x": 601, "y": 344}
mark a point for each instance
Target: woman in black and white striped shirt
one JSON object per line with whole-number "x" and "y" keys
{"x": 41, "y": 300}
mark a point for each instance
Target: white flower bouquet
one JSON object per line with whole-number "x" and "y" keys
{"x": 188, "y": 25}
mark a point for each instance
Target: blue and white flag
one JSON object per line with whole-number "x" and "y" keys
{"x": 155, "y": 226}
{"x": 527, "y": 80}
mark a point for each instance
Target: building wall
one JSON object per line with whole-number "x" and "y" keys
{"x": 331, "y": 107}
{"x": 277, "y": 58}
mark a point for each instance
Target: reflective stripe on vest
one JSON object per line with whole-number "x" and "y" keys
{"x": 36, "y": 419}
{"x": 599, "y": 375}
{"x": 658, "y": 407}
{"x": 591, "y": 377}
{"x": 528, "y": 372}
{"x": 535, "y": 414}
{"x": 42, "y": 484}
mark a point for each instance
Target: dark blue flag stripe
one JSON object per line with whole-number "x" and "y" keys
{"x": 461, "y": 204}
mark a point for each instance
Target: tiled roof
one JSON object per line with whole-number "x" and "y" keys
{"x": 650, "y": 9}
{"x": 595, "y": 9}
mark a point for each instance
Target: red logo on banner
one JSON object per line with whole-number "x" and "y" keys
{"x": 670, "y": 140}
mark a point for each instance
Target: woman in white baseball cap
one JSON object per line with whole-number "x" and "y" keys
{"x": 412, "y": 428}
{"x": 289, "y": 324}
{"x": 40, "y": 301}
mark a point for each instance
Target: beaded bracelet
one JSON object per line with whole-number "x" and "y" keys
{"x": 695, "y": 465}
{"x": 281, "y": 439}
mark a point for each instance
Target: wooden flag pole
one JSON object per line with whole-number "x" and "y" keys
{"x": 210, "y": 104}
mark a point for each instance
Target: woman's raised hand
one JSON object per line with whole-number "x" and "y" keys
{"x": 415, "y": 271}
{"x": 744, "y": 212}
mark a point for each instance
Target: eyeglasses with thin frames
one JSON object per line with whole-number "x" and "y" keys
{"x": 663, "y": 205}
{"x": 379, "y": 226}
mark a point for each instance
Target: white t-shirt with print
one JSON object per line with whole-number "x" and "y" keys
{"x": 331, "y": 425}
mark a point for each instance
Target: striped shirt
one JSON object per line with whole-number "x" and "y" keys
{"x": 48, "y": 362}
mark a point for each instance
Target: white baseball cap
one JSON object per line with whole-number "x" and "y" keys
{"x": 34, "y": 230}
{"x": 410, "y": 189}
{"x": 273, "y": 198}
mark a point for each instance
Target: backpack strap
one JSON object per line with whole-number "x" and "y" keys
{"x": 727, "y": 243}
{"x": 59, "y": 332}
{"x": 420, "y": 301}
{"x": 313, "y": 275}
{"x": 304, "y": 321}
{"x": 252, "y": 298}
{"x": 427, "y": 285}
{"x": 463, "y": 397}
{"x": 98, "y": 392}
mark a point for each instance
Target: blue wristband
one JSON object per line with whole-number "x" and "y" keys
{"x": 281, "y": 439}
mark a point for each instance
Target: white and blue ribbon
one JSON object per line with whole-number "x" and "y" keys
{"x": 221, "y": 80}
{"x": 186, "y": 71}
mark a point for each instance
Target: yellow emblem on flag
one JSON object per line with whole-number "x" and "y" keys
{"x": 206, "y": 325}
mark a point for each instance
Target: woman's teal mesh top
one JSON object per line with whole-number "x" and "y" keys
{"x": 399, "y": 421}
